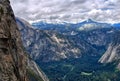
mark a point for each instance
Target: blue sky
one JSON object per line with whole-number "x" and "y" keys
{"x": 67, "y": 10}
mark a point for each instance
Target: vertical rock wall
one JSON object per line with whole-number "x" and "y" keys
{"x": 12, "y": 60}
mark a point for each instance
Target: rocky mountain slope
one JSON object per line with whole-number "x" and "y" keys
{"x": 13, "y": 60}
{"x": 50, "y": 45}
{"x": 47, "y": 45}
{"x": 34, "y": 72}
{"x": 113, "y": 51}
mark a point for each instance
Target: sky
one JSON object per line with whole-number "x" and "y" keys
{"x": 67, "y": 10}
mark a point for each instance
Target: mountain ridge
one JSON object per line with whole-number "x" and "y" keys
{"x": 86, "y": 25}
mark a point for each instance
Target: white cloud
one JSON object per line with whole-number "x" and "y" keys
{"x": 67, "y": 10}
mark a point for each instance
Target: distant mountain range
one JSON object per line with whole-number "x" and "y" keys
{"x": 84, "y": 25}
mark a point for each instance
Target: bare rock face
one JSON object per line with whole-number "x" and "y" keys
{"x": 34, "y": 69}
{"x": 113, "y": 51}
{"x": 46, "y": 46}
{"x": 111, "y": 54}
{"x": 12, "y": 60}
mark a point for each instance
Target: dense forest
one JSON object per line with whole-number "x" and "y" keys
{"x": 84, "y": 69}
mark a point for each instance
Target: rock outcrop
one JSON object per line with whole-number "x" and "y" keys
{"x": 14, "y": 62}
{"x": 34, "y": 71}
{"x": 113, "y": 51}
{"x": 111, "y": 54}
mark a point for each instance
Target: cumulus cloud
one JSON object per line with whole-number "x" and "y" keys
{"x": 67, "y": 10}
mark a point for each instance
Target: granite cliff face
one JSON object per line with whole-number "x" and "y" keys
{"x": 46, "y": 45}
{"x": 34, "y": 71}
{"x": 113, "y": 51}
{"x": 14, "y": 62}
